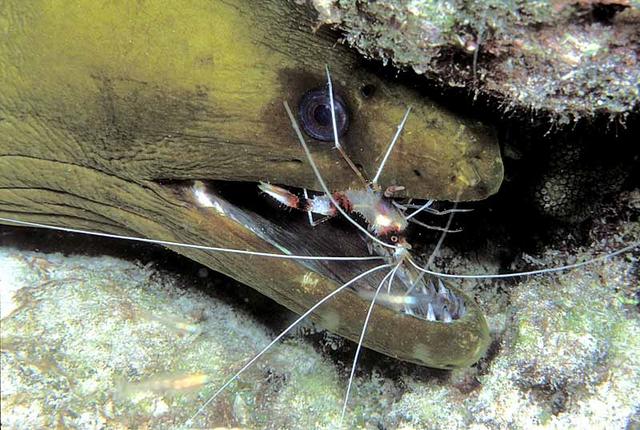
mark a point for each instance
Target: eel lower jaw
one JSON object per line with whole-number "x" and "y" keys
{"x": 289, "y": 232}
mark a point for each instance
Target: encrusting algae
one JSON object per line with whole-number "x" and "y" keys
{"x": 569, "y": 60}
{"x": 90, "y": 341}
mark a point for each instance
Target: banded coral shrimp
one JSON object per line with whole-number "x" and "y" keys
{"x": 472, "y": 276}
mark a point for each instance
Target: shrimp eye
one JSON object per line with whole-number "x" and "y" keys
{"x": 315, "y": 114}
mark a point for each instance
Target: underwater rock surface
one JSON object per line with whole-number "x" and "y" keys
{"x": 92, "y": 341}
{"x": 540, "y": 55}
{"x": 98, "y": 341}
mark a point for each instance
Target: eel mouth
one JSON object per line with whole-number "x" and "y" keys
{"x": 290, "y": 232}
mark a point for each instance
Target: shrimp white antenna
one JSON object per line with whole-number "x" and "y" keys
{"x": 391, "y": 145}
{"x": 426, "y": 208}
{"x": 442, "y": 236}
{"x": 420, "y": 209}
{"x": 530, "y": 272}
{"x": 389, "y": 276}
{"x": 336, "y": 141}
{"x": 435, "y": 251}
{"x": 433, "y": 227}
{"x": 186, "y": 245}
{"x": 323, "y": 184}
{"x": 454, "y": 210}
{"x": 313, "y": 257}
{"x": 280, "y": 336}
{"x": 446, "y": 211}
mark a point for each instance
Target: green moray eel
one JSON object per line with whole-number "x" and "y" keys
{"x": 109, "y": 110}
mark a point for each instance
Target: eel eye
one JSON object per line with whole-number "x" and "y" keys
{"x": 315, "y": 114}
{"x": 394, "y": 238}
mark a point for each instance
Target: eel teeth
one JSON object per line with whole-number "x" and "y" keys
{"x": 432, "y": 288}
{"x": 431, "y": 316}
{"x": 461, "y": 309}
{"x": 446, "y": 316}
{"x": 423, "y": 289}
{"x": 442, "y": 291}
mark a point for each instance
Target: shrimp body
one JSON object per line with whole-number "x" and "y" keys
{"x": 381, "y": 217}
{"x": 428, "y": 299}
